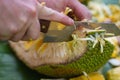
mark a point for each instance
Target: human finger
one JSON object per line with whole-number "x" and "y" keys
{"x": 33, "y": 31}
{"x": 80, "y": 10}
{"x": 6, "y": 33}
{"x": 19, "y": 35}
{"x": 53, "y": 15}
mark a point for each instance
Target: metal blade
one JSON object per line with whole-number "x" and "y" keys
{"x": 109, "y": 27}
{"x": 59, "y": 35}
{"x": 65, "y": 34}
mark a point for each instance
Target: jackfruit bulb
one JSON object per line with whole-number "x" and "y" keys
{"x": 113, "y": 74}
{"x": 87, "y": 52}
{"x": 90, "y": 76}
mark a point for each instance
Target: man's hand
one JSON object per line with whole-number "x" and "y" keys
{"x": 19, "y": 19}
{"x": 59, "y": 5}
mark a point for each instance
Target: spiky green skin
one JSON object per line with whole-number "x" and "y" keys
{"x": 91, "y": 61}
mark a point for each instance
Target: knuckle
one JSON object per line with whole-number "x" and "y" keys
{"x": 23, "y": 20}
{"x": 13, "y": 29}
{"x": 32, "y": 12}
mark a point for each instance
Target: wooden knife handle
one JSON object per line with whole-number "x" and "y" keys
{"x": 44, "y": 25}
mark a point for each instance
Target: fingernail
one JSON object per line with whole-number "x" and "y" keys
{"x": 70, "y": 21}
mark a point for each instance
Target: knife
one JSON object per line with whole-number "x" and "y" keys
{"x": 64, "y": 35}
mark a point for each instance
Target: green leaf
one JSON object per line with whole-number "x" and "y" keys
{"x": 11, "y": 68}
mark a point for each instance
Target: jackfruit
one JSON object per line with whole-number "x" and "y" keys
{"x": 85, "y": 53}
{"x": 113, "y": 74}
{"x": 91, "y": 76}
{"x": 105, "y": 13}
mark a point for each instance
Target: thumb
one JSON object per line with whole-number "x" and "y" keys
{"x": 52, "y": 15}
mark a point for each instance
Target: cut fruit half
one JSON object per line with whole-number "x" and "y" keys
{"x": 64, "y": 59}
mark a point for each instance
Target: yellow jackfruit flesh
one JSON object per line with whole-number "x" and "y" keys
{"x": 113, "y": 74}
{"x": 90, "y": 76}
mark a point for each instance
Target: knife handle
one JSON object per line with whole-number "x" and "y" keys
{"x": 44, "y": 25}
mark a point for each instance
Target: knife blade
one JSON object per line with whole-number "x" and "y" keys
{"x": 59, "y": 35}
{"x": 64, "y": 35}
{"x": 109, "y": 27}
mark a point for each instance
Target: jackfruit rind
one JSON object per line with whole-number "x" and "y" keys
{"x": 91, "y": 61}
